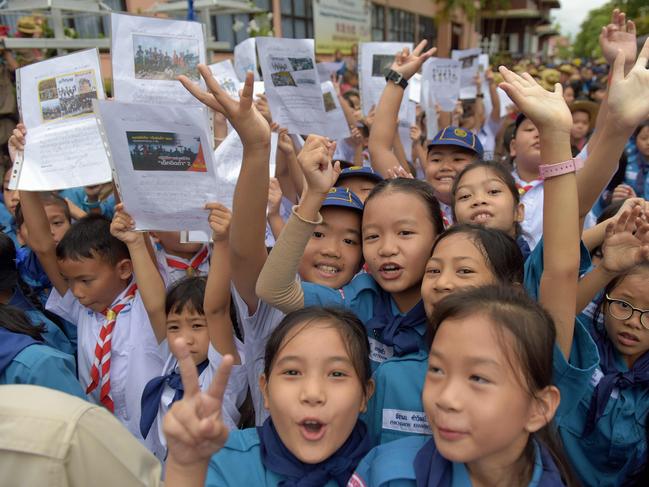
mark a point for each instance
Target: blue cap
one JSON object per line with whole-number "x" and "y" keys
{"x": 360, "y": 171}
{"x": 343, "y": 198}
{"x": 458, "y": 137}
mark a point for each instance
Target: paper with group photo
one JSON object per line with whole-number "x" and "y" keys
{"x": 63, "y": 146}
{"x": 374, "y": 61}
{"x": 469, "y": 65}
{"x": 442, "y": 82}
{"x": 292, "y": 84}
{"x": 225, "y": 75}
{"x": 245, "y": 59}
{"x": 162, "y": 163}
{"x": 153, "y": 52}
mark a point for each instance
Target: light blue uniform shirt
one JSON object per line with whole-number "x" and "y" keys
{"x": 358, "y": 296}
{"x": 41, "y": 365}
{"x": 395, "y": 409}
{"x": 238, "y": 464}
{"x": 392, "y": 465}
{"x": 78, "y": 197}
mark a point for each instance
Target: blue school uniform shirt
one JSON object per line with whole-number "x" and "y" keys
{"x": 395, "y": 410}
{"x": 41, "y": 365}
{"x": 637, "y": 169}
{"x": 32, "y": 273}
{"x": 358, "y": 296}
{"x": 239, "y": 463}
{"x": 392, "y": 465}
{"x": 618, "y": 444}
{"x": 78, "y": 197}
{"x": 53, "y": 335}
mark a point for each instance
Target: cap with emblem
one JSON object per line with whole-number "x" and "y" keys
{"x": 458, "y": 137}
{"x": 344, "y": 198}
{"x": 361, "y": 172}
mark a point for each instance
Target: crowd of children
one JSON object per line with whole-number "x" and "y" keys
{"x": 451, "y": 319}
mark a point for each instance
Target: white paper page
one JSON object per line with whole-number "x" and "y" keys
{"x": 245, "y": 59}
{"x": 195, "y": 236}
{"x": 428, "y": 102}
{"x": 228, "y": 156}
{"x": 443, "y": 77}
{"x": 224, "y": 74}
{"x": 152, "y": 53}
{"x": 274, "y": 139}
{"x": 63, "y": 146}
{"x": 325, "y": 70}
{"x": 375, "y": 59}
{"x": 162, "y": 162}
{"x": 469, "y": 62}
{"x": 258, "y": 89}
{"x": 505, "y": 102}
{"x": 292, "y": 84}
{"x": 337, "y": 127}
{"x": 415, "y": 88}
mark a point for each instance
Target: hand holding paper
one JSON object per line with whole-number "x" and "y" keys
{"x": 244, "y": 117}
{"x": 123, "y": 226}
{"x": 408, "y": 63}
{"x": 219, "y": 219}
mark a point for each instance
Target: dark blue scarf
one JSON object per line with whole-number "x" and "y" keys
{"x": 613, "y": 377}
{"x": 153, "y": 394}
{"x": 340, "y": 466}
{"x": 433, "y": 470}
{"x": 643, "y": 168}
{"x": 11, "y": 344}
{"x": 523, "y": 246}
{"x": 397, "y": 331}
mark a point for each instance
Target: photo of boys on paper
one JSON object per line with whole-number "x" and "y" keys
{"x": 329, "y": 103}
{"x": 381, "y": 64}
{"x": 67, "y": 95}
{"x": 166, "y": 151}
{"x": 287, "y": 71}
{"x": 165, "y": 58}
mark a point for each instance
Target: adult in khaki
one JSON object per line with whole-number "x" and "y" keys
{"x": 55, "y": 439}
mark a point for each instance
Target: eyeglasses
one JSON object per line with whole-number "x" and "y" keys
{"x": 622, "y": 310}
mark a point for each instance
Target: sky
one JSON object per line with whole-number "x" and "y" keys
{"x": 572, "y": 13}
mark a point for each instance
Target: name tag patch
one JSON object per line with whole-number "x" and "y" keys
{"x": 379, "y": 352}
{"x": 407, "y": 421}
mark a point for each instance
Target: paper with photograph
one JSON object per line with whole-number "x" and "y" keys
{"x": 325, "y": 70}
{"x": 374, "y": 61}
{"x": 153, "y": 52}
{"x": 225, "y": 75}
{"x": 245, "y": 59}
{"x": 443, "y": 82}
{"x": 292, "y": 84}
{"x": 337, "y": 127}
{"x": 162, "y": 163}
{"x": 469, "y": 65}
{"x": 63, "y": 146}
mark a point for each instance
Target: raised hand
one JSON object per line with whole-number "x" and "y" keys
{"x": 408, "y": 63}
{"x": 315, "y": 159}
{"x": 274, "y": 196}
{"x": 399, "y": 172}
{"x": 264, "y": 108}
{"x": 17, "y": 141}
{"x": 627, "y": 241}
{"x": 219, "y": 220}
{"x": 244, "y": 117}
{"x": 194, "y": 426}
{"x": 284, "y": 142}
{"x": 122, "y": 226}
{"x": 619, "y": 35}
{"x": 547, "y": 109}
{"x": 628, "y": 97}
{"x": 415, "y": 132}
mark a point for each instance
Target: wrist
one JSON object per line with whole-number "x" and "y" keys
{"x": 186, "y": 473}
{"x": 606, "y": 274}
{"x": 309, "y": 207}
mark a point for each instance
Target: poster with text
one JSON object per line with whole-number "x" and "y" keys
{"x": 339, "y": 24}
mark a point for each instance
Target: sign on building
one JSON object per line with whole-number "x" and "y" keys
{"x": 341, "y": 23}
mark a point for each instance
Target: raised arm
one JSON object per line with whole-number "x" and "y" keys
{"x": 216, "y": 304}
{"x": 558, "y": 287}
{"x": 387, "y": 111}
{"x": 277, "y": 284}
{"x": 248, "y": 227}
{"x": 147, "y": 276}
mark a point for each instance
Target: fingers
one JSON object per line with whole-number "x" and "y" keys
{"x": 630, "y": 27}
{"x": 247, "y": 92}
{"x": 202, "y": 96}
{"x": 220, "y": 380}
{"x": 188, "y": 371}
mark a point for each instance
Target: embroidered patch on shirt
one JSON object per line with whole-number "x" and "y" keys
{"x": 379, "y": 352}
{"x": 356, "y": 481}
{"x": 408, "y": 421}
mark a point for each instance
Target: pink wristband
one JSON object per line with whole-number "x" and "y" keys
{"x": 552, "y": 170}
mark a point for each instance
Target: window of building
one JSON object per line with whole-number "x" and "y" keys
{"x": 378, "y": 22}
{"x": 401, "y": 25}
{"x": 297, "y": 19}
{"x": 427, "y": 31}
{"x": 222, "y": 25}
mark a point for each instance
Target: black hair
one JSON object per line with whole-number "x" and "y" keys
{"x": 501, "y": 252}
{"x": 415, "y": 187}
{"x": 48, "y": 198}
{"x": 8, "y": 271}
{"x": 351, "y": 329}
{"x": 510, "y": 309}
{"x": 188, "y": 293}
{"x": 89, "y": 238}
{"x": 16, "y": 321}
{"x": 640, "y": 127}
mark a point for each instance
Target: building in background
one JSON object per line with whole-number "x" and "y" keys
{"x": 522, "y": 29}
